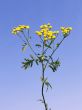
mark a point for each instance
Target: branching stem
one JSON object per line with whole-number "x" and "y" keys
{"x": 54, "y": 52}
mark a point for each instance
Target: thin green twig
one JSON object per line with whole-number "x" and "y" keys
{"x": 54, "y": 51}
{"x": 29, "y": 43}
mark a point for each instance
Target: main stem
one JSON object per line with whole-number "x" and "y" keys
{"x": 44, "y": 102}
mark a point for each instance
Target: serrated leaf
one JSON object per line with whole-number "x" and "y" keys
{"x": 54, "y": 65}
{"x": 27, "y": 63}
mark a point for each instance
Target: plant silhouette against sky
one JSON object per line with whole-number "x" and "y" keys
{"x": 47, "y": 38}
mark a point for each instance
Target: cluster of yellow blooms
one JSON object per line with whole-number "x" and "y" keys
{"x": 66, "y": 31}
{"x": 19, "y": 28}
{"x": 45, "y": 30}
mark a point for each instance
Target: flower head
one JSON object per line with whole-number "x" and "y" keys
{"x": 66, "y": 31}
{"x": 19, "y": 28}
{"x": 45, "y": 30}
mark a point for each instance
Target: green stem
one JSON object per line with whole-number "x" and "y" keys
{"x": 45, "y": 104}
{"x": 43, "y": 91}
{"x": 28, "y": 33}
{"x": 54, "y": 52}
{"x": 20, "y": 37}
{"x": 29, "y": 44}
{"x": 47, "y": 48}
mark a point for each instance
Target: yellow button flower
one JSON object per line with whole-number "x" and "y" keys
{"x": 53, "y": 37}
{"x": 27, "y": 27}
{"x": 41, "y": 26}
{"x": 20, "y": 28}
{"x": 45, "y": 30}
{"x": 50, "y": 27}
{"x": 45, "y": 33}
{"x": 50, "y": 33}
{"x": 45, "y": 38}
{"x": 14, "y": 31}
{"x": 70, "y": 28}
{"x": 38, "y": 33}
{"x": 66, "y": 31}
{"x": 56, "y": 32}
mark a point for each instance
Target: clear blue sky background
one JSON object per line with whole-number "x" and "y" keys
{"x": 20, "y": 89}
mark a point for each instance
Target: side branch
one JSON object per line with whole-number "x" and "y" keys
{"x": 54, "y": 52}
{"x": 29, "y": 44}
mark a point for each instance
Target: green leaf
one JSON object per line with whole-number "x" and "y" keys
{"x": 51, "y": 67}
{"x": 38, "y": 45}
{"x": 48, "y": 85}
{"x": 54, "y": 65}
{"x": 36, "y": 61}
{"x": 57, "y": 45}
{"x": 27, "y": 63}
{"x": 24, "y": 47}
{"x": 43, "y": 80}
{"x": 32, "y": 57}
{"x": 46, "y": 45}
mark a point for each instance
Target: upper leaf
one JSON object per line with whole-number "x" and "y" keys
{"x": 38, "y": 45}
{"x": 46, "y": 45}
{"x": 24, "y": 46}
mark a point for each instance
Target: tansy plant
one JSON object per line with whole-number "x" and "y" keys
{"x": 47, "y": 38}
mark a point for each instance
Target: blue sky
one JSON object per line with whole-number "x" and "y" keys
{"x": 20, "y": 89}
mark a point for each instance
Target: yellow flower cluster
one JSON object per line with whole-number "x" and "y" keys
{"x": 19, "y": 28}
{"x": 45, "y": 30}
{"x": 66, "y": 31}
